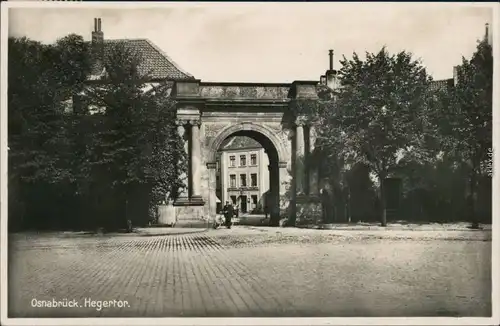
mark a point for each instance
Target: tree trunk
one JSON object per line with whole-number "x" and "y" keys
{"x": 471, "y": 200}
{"x": 383, "y": 210}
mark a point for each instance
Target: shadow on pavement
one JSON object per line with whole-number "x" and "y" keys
{"x": 251, "y": 220}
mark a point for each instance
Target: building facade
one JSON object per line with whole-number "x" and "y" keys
{"x": 242, "y": 175}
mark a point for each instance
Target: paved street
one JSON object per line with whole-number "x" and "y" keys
{"x": 252, "y": 271}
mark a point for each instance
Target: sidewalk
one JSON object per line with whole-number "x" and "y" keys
{"x": 400, "y": 226}
{"x": 261, "y": 234}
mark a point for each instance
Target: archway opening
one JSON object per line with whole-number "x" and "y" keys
{"x": 247, "y": 176}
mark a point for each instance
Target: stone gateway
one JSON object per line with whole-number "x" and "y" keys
{"x": 209, "y": 113}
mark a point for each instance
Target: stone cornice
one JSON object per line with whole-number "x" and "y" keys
{"x": 188, "y": 115}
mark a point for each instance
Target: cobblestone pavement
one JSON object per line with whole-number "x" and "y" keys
{"x": 253, "y": 271}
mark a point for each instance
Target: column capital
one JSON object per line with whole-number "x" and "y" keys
{"x": 187, "y": 115}
{"x": 301, "y": 121}
{"x": 181, "y": 122}
{"x": 194, "y": 122}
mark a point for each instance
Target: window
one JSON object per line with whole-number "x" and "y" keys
{"x": 254, "y": 200}
{"x": 253, "y": 159}
{"x": 253, "y": 180}
{"x": 232, "y": 180}
{"x": 233, "y": 199}
{"x": 217, "y": 180}
{"x": 218, "y": 165}
{"x": 243, "y": 180}
{"x": 243, "y": 160}
{"x": 232, "y": 161}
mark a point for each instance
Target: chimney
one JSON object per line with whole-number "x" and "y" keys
{"x": 331, "y": 75}
{"x": 322, "y": 80}
{"x": 331, "y": 59}
{"x": 488, "y": 36}
{"x": 98, "y": 45}
{"x": 455, "y": 75}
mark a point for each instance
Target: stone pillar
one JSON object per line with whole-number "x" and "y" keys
{"x": 274, "y": 196}
{"x": 313, "y": 166}
{"x": 307, "y": 160}
{"x": 183, "y": 193}
{"x": 195, "y": 160}
{"x": 284, "y": 178}
{"x": 299, "y": 156}
{"x": 212, "y": 188}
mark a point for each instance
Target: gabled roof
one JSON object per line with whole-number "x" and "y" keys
{"x": 239, "y": 142}
{"x": 156, "y": 63}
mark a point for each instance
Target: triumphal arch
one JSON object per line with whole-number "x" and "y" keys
{"x": 208, "y": 113}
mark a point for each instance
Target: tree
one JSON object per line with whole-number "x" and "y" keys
{"x": 40, "y": 79}
{"x": 466, "y": 123}
{"x": 135, "y": 147}
{"x": 380, "y": 117}
{"x": 93, "y": 162}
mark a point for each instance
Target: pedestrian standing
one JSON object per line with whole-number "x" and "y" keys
{"x": 228, "y": 214}
{"x": 325, "y": 205}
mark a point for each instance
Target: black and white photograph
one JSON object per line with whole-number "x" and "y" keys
{"x": 299, "y": 163}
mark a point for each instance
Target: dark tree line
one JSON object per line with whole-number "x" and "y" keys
{"x": 386, "y": 121}
{"x": 86, "y": 155}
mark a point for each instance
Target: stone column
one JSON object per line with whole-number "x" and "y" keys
{"x": 274, "y": 202}
{"x": 212, "y": 187}
{"x": 284, "y": 179}
{"x": 195, "y": 160}
{"x": 313, "y": 166}
{"x": 299, "y": 156}
{"x": 183, "y": 193}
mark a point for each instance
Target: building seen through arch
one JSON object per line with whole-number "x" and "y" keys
{"x": 242, "y": 175}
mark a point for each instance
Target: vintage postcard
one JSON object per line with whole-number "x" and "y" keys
{"x": 238, "y": 163}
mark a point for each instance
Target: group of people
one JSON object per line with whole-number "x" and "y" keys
{"x": 229, "y": 210}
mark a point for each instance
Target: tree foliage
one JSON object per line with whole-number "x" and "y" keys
{"x": 386, "y": 117}
{"x": 40, "y": 78}
{"x": 137, "y": 146}
{"x": 465, "y": 124}
{"x": 119, "y": 144}
{"x": 378, "y": 116}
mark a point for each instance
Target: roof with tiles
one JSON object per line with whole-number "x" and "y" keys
{"x": 155, "y": 63}
{"x": 239, "y": 142}
{"x": 444, "y": 84}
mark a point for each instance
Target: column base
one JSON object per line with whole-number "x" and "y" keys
{"x": 309, "y": 211}
{"x": 197, "y": 201}
{"x": 303, "y": 198}
{"x": 190, "y": 216}
{"x": 181, "y": 201}
{"x": 193, "y": 201}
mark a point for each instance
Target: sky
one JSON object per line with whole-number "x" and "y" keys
{"x": 273, "y": 42}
